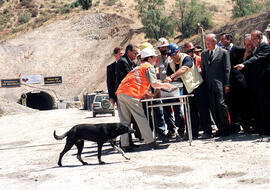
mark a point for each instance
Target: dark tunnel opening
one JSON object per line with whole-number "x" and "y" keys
{"x": 39, "y": 100}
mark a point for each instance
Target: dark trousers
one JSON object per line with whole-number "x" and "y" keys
{"x": 178, "y": 115}
{"x": 158, "y": 118}
{"x": 259, "y": 89}
{"x": 239, "y": 104}
{"x": 219, "y": 110}
{"x": 199, "y": 111}
{"x": 262, "y": 117}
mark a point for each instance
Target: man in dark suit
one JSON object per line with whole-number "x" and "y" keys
{"x": 126, "y": 63}
{"x": 216, "y": 72}
{"x": 111, "y": 77}
{"x": 123, "y": 67}
{"x": 237, "y": 98}
{"x": 260, "y": 62}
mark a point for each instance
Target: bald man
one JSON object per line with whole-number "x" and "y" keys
{"x": 216, "y": 69}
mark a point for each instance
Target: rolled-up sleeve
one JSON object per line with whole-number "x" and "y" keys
{"x": 150, "y": 74}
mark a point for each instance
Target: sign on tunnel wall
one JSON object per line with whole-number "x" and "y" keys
{"x": 8, "y": 83}
{"x": 53, "y": 80}
{"x": 31, "y": 79}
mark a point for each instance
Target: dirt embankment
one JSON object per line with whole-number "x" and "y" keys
{"x": 240, "y": 27}
{"x": 78, "y": 49}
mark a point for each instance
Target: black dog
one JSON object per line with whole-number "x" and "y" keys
{"x": 100, "y": 133}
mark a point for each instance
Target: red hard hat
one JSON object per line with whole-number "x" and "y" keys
{"x": 188, "y": 46}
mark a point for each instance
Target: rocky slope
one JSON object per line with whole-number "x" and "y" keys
{"x": 78, "y": 49}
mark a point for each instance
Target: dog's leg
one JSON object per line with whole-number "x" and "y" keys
{"x": 79, "y": 145}
{"x": 118, "y": 149}
{"x": 67, "y": 147}
{"x": 99, "y": 153}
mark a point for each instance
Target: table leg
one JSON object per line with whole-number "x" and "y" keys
{"x": 187, "y": 113}
{"x": 147, "y": 112}
{"x": 153, "y": 121}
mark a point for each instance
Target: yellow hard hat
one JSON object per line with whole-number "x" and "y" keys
{"x": 146, "y": 45}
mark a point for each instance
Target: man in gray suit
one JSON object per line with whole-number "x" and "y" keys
{"x": 216, "y": 72}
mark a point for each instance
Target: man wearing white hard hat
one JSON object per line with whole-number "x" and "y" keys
{"x": 132, "y": 89}
{"x": 267, "y": 31}
{"x": 162, "y": 63}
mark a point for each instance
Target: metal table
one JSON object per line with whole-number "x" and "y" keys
{"x": 184, "y": 102}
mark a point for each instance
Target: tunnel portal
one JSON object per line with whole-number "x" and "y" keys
{"x": 38, "y": 100}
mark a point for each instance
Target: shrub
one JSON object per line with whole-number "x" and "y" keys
{"x": 144, "y": 5}
{"x": 243, "y": 8}
{"x": 156, "y": 25}
{"x": 65, "y": 9}
{"x": 97, "y": 4}
{"x": 40, "y": 20}
{"x": 86, "y": 4}
{"x": 27, "y": 3}
{"x": 34, "y": 12}
{"x": 110, "y": 2}
{"x": 4, "y": 19}
{"x": 189, "y": 14}
{"x": 1, "y": 2}
{"x": 6, "y": 11}
{"x": 75, "y": 4}
{"x": 15, "y": 30}
{"x": 24, "y": 18}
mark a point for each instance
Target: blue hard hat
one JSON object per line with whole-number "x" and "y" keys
{"x": 173, "y": 48}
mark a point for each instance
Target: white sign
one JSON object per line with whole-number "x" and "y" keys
{"x": 31, "y": 79}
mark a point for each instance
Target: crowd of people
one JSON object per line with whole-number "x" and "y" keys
{"x": 230, "y": 84}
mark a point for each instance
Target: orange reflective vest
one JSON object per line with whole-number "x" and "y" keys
{"x": 135, "y": 84}
{"x": 198, "y": 63}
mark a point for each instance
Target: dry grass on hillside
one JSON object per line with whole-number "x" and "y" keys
{"x": 18, "y": 16}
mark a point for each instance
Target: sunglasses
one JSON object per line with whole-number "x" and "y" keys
{"x": 189, "y": 51}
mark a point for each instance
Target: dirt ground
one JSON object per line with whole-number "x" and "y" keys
{"x": 29, "y": 155}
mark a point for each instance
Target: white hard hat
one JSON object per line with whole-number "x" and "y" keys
{"x": 139, "y": 52}
{"x": 148, "y": 52}
{"x": 162, "y": 42}
{"x": 267, "y": 28}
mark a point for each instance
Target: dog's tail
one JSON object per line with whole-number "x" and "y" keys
{"x": 59, "y": 137}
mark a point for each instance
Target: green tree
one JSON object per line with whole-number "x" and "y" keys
{"x": 156, "y": 25}
{"x": 144, "y": 5}
{"x": 1, "y": 2}
{"x": 243, "y": 8}
{"x": 86, "y": 4}
{"x": 188, "y": 14}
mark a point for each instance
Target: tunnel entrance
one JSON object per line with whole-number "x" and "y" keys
{"x": 39, "y": 100}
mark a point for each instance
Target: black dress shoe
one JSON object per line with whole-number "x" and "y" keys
{"x": 217, "y": 134}
{"x": 134, "y": 145}
{"x": 127, "y": 149}
{"x": 236, "y": 128}
{"x": 221, "y": 134}
{"x": 206, "y": 136}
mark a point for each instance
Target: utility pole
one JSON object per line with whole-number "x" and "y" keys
{"x": 202, "y": 35}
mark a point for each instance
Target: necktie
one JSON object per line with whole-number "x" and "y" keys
{"x": 211, "y": 56}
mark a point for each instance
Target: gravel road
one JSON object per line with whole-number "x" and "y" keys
{"x": 29, "y": 155}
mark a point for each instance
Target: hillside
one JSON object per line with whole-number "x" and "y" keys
{"x": 78, "y": 49}
{"x": 19, "y": 16}
{"x": 78, "y": 45}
